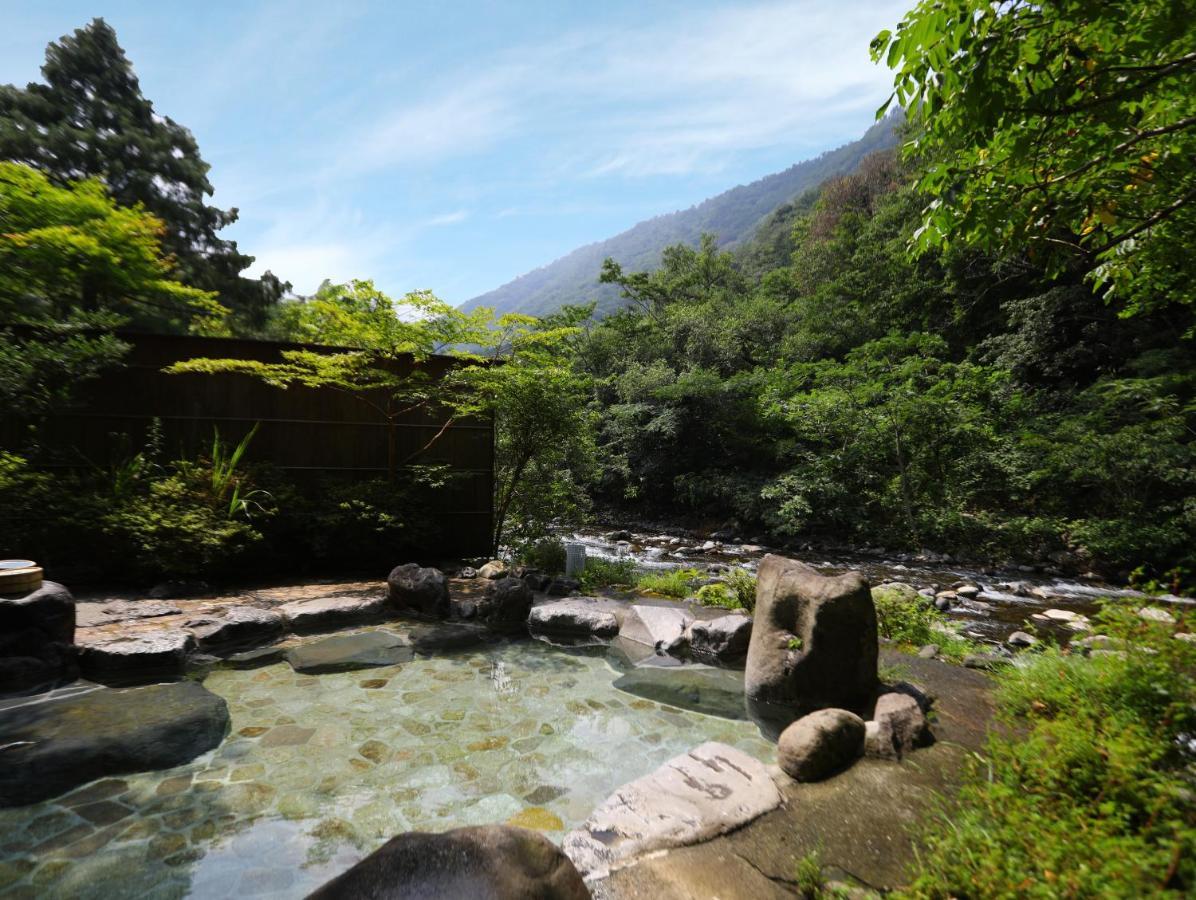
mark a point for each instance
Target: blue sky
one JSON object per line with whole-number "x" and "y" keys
{"x": 455, "y": 145}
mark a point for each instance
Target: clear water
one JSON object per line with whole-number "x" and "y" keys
{"x": 318, "y": 771}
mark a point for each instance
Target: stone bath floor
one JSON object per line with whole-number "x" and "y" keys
{"x": 317, "y": 771}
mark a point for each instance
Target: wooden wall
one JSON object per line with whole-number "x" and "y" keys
{"x": 308, "y": 432}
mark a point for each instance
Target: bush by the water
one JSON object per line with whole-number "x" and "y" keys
{"x": 1088, "y": 791}
{"x": 737, "y": 592}
{"x": 911, "y": 622}
{"x": 677, "y": 583}
{"x": 600, "y": 573}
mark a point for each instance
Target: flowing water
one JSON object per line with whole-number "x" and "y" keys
{"x": 995, "y": 613}
{"x": 318, "y": 771}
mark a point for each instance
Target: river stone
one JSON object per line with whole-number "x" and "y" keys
{"x": 346, "y": 652}
{"x": 428, "y": 639}
{"x": 133, "y": 658}
{"x": 722, "y": 641}
{"x": 496, "y": 568}
{"x": 820, "y": 744}
{"x": 715, "y": 692}
{"x": 659, "y": 627}
{"x": 238, "y": 626}
{"x": 505, "y": 606}
{"x": 694, "y": 797}
{"x": 562, "y": 587}
{"x": 897, "y": 728}
{"x": 37, "y": 629}
{"x": 575, "y": 616}
{"x": 331, "y": 613}
{"x": 813, "y": 646}
{"x": 416, "y": 589}
{"x": 488, "y": 862}
{"x": 53, "y": 745}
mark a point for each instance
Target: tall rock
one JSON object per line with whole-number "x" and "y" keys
{"x": 813, "y": 644}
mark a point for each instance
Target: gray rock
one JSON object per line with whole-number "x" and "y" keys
{"x": 942, "y": 604}
{"x": 692, "y": 798}
{"x": 820, "y": 744}
{"x": 813, "y": 646}
{"x": 968, "y": 592}
{"x": 251, "y": 659}
{"x": 55, "y": 744}
{"x": 136, "y": 658}
{"x": 420, "y": 590}
{"x": 900, "y": 589}
{"x": 495, "y": 862}
{"x": 898, "y": 726}
{"x": 438, "y": 638}
{"x": 537, "y": 582}
{"x": 345, "y": 652}
{"x": 468, "y": 572}
{"x": 930, "y": 651}
{"x": 576, "y": 616}
{"x": 37, "y": 629}
{"x": 722, "y": 641}
{"x": 238, "y": 626}
{"x": 1021, "y": 640}
{"x": 659, "y": 627}
{"x": 505, "y": 606}
{"x": 330, "y": 613}
{"x": 986, "y": 661}
{"x": 715, "y": 692}
{"x": 562, "y": 587}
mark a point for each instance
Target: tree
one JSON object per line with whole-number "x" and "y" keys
{"x": 1066, "y": 130}
{"x": 73, "y": 267}
{"x": 517, "y": 370}
{"x": 89, "y": 119}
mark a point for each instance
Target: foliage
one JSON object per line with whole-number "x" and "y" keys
{"x": 89, "y": 120}
{"x": 545, "y": 555}
{"x": 737, "y": 592}
{"x": 600, "y": 572}
{"x": 1065, "y": 129}
{"x": 1087, "y": 793}
{"x": 912, "y": 622}
{"x": 669, "y": 582}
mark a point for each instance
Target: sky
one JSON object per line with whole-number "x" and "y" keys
{"x": 454, "y": 145}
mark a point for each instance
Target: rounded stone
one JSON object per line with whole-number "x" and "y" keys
{"x": 820, "y": 744}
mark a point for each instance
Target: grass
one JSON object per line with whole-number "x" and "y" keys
{"x": 1086, "y": 791}
{"x": 600, "y": 573}
{"x": 911, "y": 623}
{"x": 669, "y": 583}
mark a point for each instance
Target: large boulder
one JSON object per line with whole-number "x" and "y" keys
{"x": 820, "y": 744}
{"x": 575, "y": 617}
{"x": 136, "y": 658}
{"x": 37, "y": 629}
{"x": 346, "y": 652}
{"x": 694, "y": 797}
{"x": 419, "y": 590}
{"x": 57, "y": 743}
{"x": 495, "y": 862}
{"x": 237, "y": 627}
{"x": 722, "y": 641}
{"x": 505, "y": 606}
{"x": 330, "y": 613}
{"x": 813, "y": 645}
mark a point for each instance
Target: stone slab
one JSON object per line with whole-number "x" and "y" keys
{"x": 692, "y": 798}
{"x": 346, "y": 652}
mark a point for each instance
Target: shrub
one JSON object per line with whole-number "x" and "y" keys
{"x": 718, "y": 595}
{"x": 366, "y": 523}
{"x": 911, "y": 622}
{"x": 670, "y": 582}
{"x": 1086, "y": 791}
{"x": 600, "y": 572}
{"x": 546, "y": 554}
{"x": 737, "y": 592}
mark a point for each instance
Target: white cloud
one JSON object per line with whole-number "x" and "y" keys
{"x": 449, "y": 218}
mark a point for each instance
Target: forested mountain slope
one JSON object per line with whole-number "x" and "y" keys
{"x": 733, "y": 216}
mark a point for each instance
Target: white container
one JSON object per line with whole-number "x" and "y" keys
{"x": 575, "y": 559}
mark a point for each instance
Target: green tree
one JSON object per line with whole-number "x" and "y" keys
{"x": 1066, "y": 130}
{"x": 73, "y": 267}
{"x": 89, "y": 119}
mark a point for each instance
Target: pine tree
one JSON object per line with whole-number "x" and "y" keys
{"x": 90, "y": 118}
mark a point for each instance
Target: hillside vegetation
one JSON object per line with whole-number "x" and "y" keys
{"x": 732, "y": 217}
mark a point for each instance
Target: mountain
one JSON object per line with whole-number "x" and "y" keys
{"x": 733, "y": 215}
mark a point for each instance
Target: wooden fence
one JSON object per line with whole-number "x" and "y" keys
{"x": 307, "y": 432}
